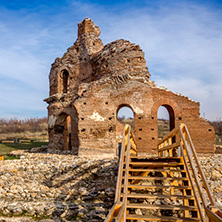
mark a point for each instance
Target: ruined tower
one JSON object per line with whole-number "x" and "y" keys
{"x": 91, "y": 82}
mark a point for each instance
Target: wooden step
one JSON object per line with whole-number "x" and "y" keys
{"x": 152, "y": 164}
{"x": 155, "y": 178}
{"x": 160, "y": 218}
{"x": 157, "y": 186}
{"x": 162, "y": 207}
{"x": 158, "y": 196}
{"x": 156, "y": 170}
{"x": 153, "y": 159}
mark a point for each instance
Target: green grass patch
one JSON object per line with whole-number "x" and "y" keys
{"x": 7, "y": 148}
{"x": 7, "y": 157}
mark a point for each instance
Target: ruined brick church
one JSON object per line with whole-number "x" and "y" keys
{"x": 91, "y": 82}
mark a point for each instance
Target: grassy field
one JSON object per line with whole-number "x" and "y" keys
{"x": 163, "y": 128}
{"x": 7, "y": 148}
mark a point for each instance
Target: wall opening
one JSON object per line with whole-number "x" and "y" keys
{"x": 64, "y": 126}
{"x": 75, "y": 131}
{"x": 63, "y": 83}
{"x": 124, "y": 115}
{"x": 165, "y": 120}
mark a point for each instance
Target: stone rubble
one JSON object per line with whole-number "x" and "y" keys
{"x": 62, "y": 187}
{"x": 212, "y": 167}
{"x": 53, "y": 187}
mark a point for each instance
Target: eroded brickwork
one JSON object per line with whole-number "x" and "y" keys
{"x": 92, "y": 81}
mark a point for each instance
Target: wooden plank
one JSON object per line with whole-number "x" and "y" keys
{"x": 156, "y": 196}
{"x": 120, "y": 170}
{"x": 151, "y": 159}
{"x": 155, "y": 178}
{"x": 156, "y": 170}
{"x": 113, "y": 212}
{"x": 153, "y": 164}
{"x": 192, "y": 184}
{"x": 7, "y": 141}
{"x": 169, "y": 147}
{"x": 171, "y": 134}
{"x": 162, "y": 207}
{"x": 199, "y": 169}
{"x": 120, "y": 214}
{"x": 157, "y": 186}
{"x": 126, "y": 181}
{"x": 24, "y": 141}
{"x": 212, "y": 216}
{"x": 217, "y": 211}
{"x": 160, "y": 218}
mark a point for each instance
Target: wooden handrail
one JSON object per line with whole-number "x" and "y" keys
{"x": 168, "y": 147}
{"x": 120, "y": 170}
{"x": 210, "y": 196}
{"x": 188, "y": 154}
{"x": 169, "y": 135}
{"x": 185, "y": 146}
{"x": 1, "y": 157}
{"x": 213, "y": 216}
{"x": 165, "y": 146}
{"x": 114, "y": 211}
{"x": 125, "y": 189}
{"x": 192, "y": 182}
{"x": 128, "y": 148}
{"x": 120, "y": 214}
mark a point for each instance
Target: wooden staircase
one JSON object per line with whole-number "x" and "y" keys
{"x": 163, "y": 188}
{"x": 159, "y": 189}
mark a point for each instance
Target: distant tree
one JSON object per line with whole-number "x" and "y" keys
{"x": 15, "y": 125}
{"x": 217, "y": 126}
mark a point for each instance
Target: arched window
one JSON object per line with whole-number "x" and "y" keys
{"x": 63, "y": 82}
{"x": 166, "y": 120}
{"x": 125, "y": 115}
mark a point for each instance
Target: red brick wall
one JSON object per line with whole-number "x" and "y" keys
{"x": 101, "y": 79}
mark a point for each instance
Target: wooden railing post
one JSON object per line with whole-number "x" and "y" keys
{"x": 199, "y": 167}
{"x": 126, "y": 181}
{"x": 190, "y": 153}
{"x": 120, "y": 170}
{"x": 187, "y": 151}
{"x": 191, "y": 180}
{"x": 119, "y": 209}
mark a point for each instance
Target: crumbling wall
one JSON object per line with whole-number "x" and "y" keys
{"x": 92, "y": 81}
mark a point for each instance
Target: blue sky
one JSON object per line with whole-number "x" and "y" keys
{"x": 182, "y": 41}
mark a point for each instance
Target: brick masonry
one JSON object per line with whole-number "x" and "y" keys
{"x": 91, "y": 82}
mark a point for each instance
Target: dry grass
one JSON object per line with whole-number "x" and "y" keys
{"x": 7, "y": 148}
{"x": 27, "y": 134}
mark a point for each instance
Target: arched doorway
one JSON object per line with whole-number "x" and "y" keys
{"x": 64, "y": 126}
{"x": 124, "y": 115}
{"x": 165, "y": 120}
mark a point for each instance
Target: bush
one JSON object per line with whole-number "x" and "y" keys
{"x": 217, "y": 126}
{"x": 15, "y": 125}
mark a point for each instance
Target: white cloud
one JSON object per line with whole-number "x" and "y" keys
{"x": 182, "y": 43}
{"x": 183, "y": 47}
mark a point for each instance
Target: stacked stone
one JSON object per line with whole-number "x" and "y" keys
{"x": 212, "y": 166}
{"x": 71, "y": 188}
{"x": 57, "y": 186}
